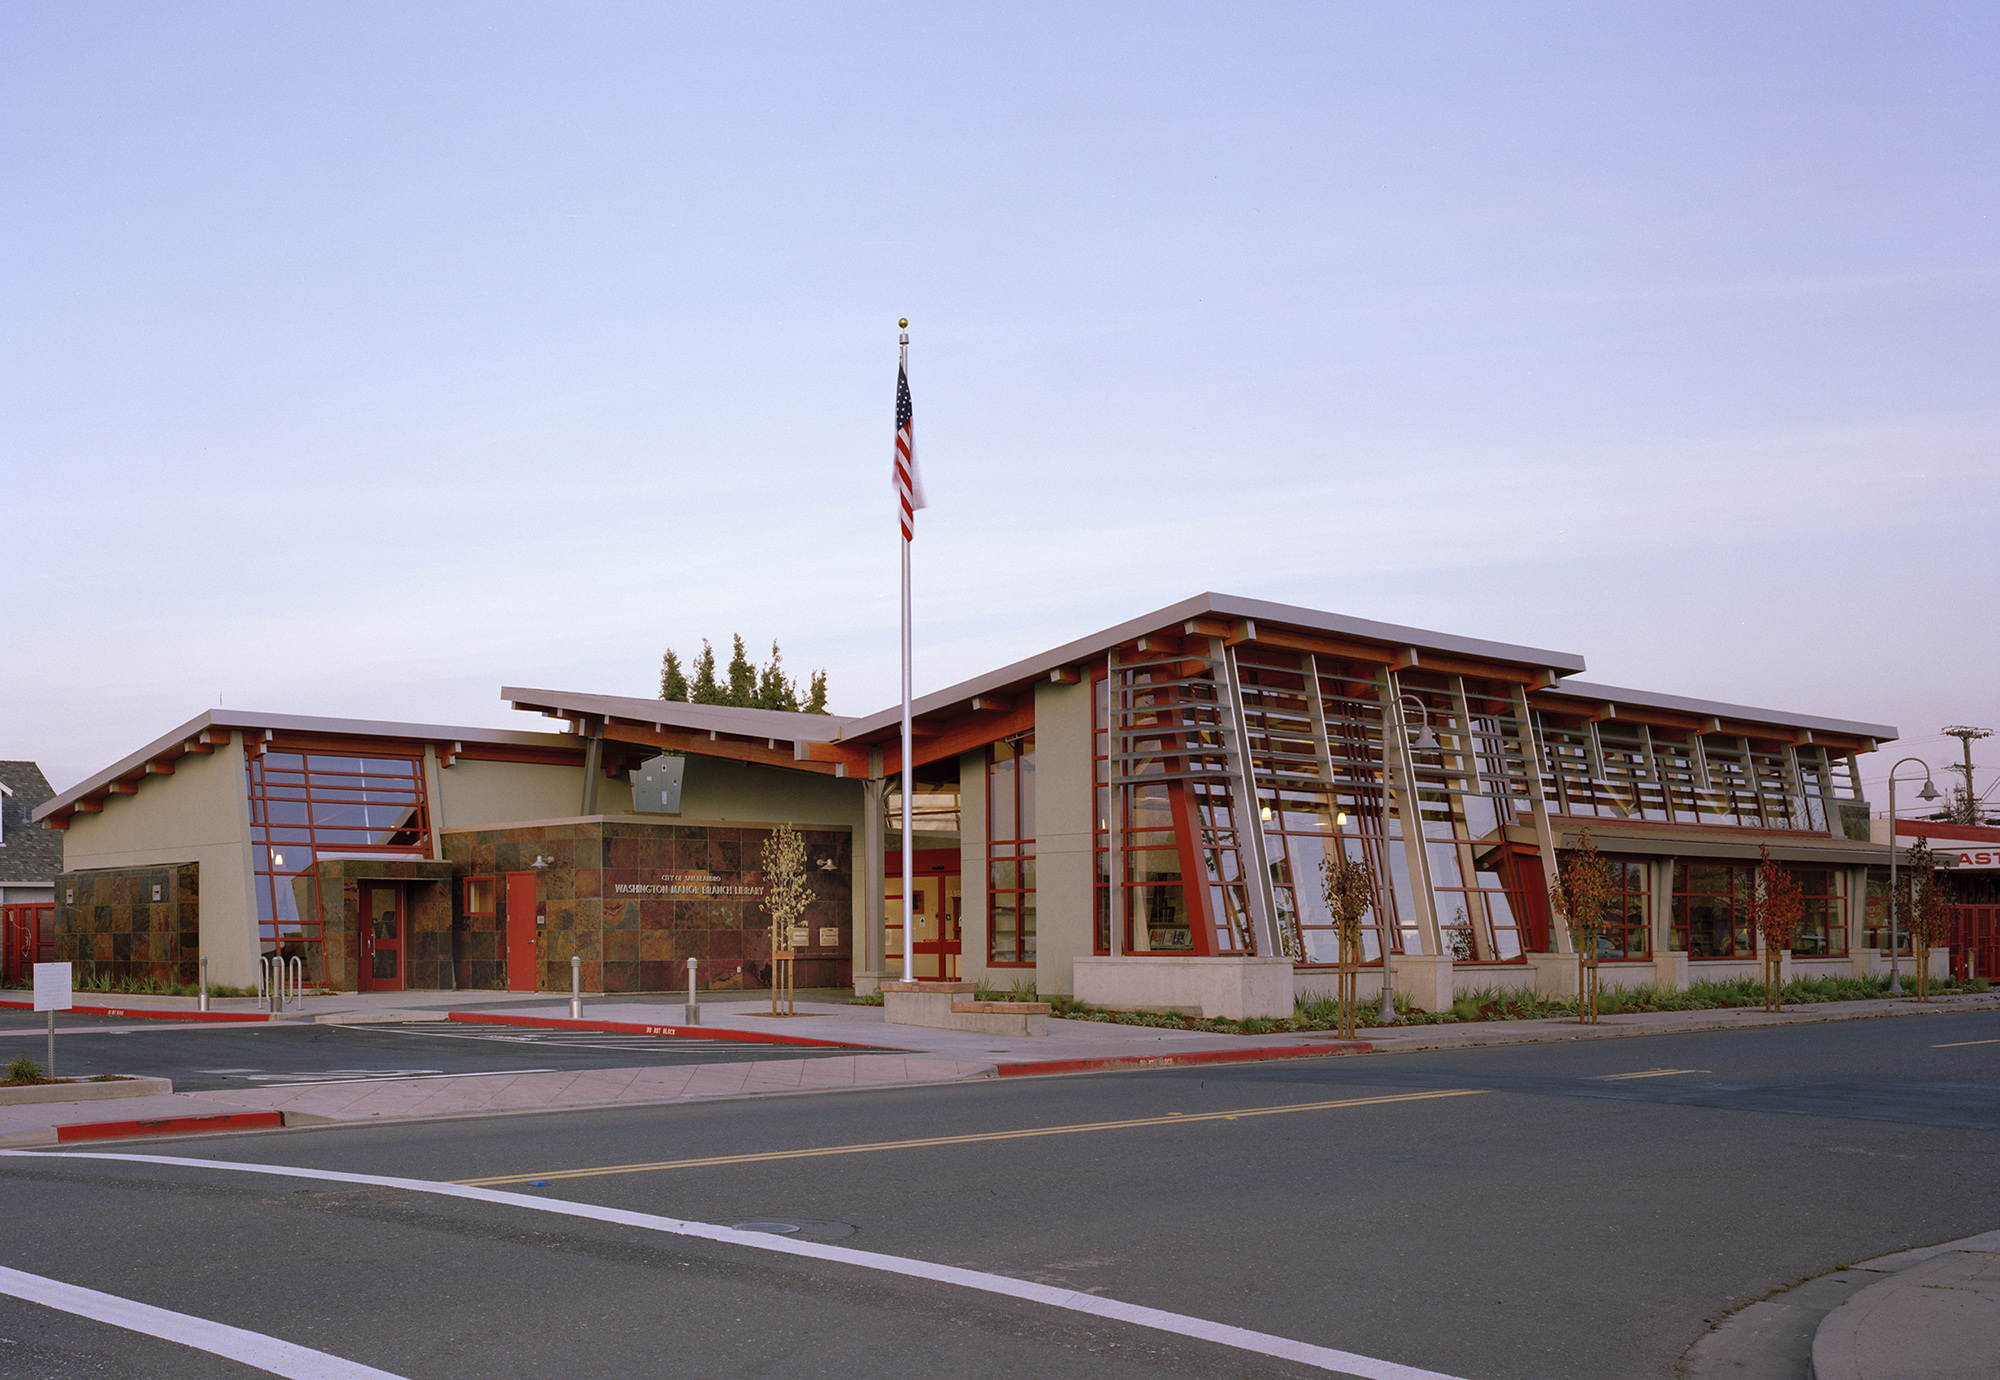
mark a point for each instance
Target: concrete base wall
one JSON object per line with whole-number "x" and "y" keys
{"x": 948, "y": 1006}
{"x": 1504, "y": 977}
{"x": 1233, "y": 988}
{"x": 1426, "y": 980}
{"x": 1555, "y": 974}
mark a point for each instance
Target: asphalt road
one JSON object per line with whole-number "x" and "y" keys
{"x": 1567, "y": 1210}
{"x": 230, "y": 1055}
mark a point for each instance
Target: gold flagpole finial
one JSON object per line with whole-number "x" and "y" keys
{"x": 903, "y": 324}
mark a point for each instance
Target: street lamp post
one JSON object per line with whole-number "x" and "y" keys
{"x": 1929, "y": 792}
{"x": 1412, "y": 818}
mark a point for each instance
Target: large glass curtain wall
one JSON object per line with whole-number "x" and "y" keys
{"x": 306, "y": 806}
{"x": 1010, "y": 852}
{"x": 1295, "y": 766}
{"x": 1619, "y": 770}
{"x": 1228, "y": 775}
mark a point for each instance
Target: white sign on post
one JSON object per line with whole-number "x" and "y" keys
{"x": 52, "y": 987}
{"x": 52, "y": 994}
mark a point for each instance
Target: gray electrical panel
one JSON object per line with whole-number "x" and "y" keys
{"x": 656, "y": 786}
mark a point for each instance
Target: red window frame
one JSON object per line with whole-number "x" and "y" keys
{"x": 1010, "y": 862}
{"x": 1701, "y": 908}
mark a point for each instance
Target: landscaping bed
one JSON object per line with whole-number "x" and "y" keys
{"x": 1317, "y": 1011}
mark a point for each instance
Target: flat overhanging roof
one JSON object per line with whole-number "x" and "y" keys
{"x": 164, "y": 750}
{"x": 700, "y": 718}
{"x": 1612, "y": 696}
{"x": 1231, "y": 608}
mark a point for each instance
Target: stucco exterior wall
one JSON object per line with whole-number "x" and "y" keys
{"x": 1065, "y": 833}
{"x": 476, "y": 794}
{"x": 200, "y": 814}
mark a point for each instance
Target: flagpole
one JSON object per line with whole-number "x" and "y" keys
{"x": 909, "y": 772}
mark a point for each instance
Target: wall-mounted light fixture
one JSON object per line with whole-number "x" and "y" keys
{"x": 541, "y": 862}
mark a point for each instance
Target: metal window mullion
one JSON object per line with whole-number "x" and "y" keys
{"x": 1415, "y": 853}
{"x": 1263, "y": 897}
{"x": 1538, "y": 804}
{"x": 1114, "y": 816}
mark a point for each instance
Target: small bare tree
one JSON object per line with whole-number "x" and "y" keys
{"x": 1349, "y": 889}
{"x": 1931, "y": 917}
{"x": 786, "y": 895}
{"x": 1776, "y": 907}
{"x": 1579, "y": 894}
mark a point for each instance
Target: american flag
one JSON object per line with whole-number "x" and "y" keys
{"x": 909, "y": 483}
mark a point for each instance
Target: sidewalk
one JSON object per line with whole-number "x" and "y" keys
{"x": 1932, "y": 1313}
{"x": 885, "y": 1056}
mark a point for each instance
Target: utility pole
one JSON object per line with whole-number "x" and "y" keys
{"x": 1966, "y": 737}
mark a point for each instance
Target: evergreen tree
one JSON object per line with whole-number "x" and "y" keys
{"x": 706, "y": 691}
{"x": 747, "y": 686}
{"x": 774, "y": 689}
{"x": 742, "y": 678}
{"x": 673, "y": 680}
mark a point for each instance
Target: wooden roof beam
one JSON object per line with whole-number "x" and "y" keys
{"x": 699, "y": 744}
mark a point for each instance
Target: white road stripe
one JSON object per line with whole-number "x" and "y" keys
{"x": 233, "y": 1343}
{"x": 1241, "y": 1338}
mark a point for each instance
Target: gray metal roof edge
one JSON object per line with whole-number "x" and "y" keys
{"x": 1228, "y": 604}
{"x": 1884, "y": 733}
{"x": 727, "y": 718}
{"x": 303, "y": 723}
{"x": 1422, "y": 638}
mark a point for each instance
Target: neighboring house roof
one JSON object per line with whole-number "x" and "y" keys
{"x": 29, "y": 854}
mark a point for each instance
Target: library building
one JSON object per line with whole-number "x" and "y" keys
{"x": 1137, "y": 819}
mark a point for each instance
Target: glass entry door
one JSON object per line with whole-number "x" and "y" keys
{"x": 935, "y": 916}
{"x": 382, "y": 937}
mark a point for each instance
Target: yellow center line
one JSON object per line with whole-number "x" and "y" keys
{"x": 1649, "y": 1073}
{"x": 1172, "y": 1119}
{"x": 1961, "y": 1044}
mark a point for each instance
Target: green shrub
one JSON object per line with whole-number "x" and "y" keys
{"x": 21, "y": 1069}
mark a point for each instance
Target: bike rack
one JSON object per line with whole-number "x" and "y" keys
{"x": 278, "y": 976}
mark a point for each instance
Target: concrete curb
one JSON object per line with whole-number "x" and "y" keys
{"x": 169, "y": 1126}
{"x": 1936, "y": 1319}
{"x": 145, "y": 1013}
{"x": 1779, "y": 1336}
{"x": 684, "y": 1032}
{"x": 1117, "y": 1064}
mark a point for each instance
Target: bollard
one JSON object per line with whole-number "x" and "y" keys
{"x": 204, "y": 983}
{"x": 693, "y": 1002}
{"x": 575, "y": 987}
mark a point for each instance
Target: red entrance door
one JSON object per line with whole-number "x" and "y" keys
{"x": 521, "y": 932}
{"x": 382, "y": 935}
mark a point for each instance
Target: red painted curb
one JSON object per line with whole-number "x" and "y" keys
{"x": 1169, "y": 1061}
{"x": 148, "y": 1014}
{"x": 685, "y": 1032}
{"x": 171, "y": 1126}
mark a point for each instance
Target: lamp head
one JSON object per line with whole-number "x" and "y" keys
{"x": 1426, "y": 741}
{"x": 1929, "y": 792}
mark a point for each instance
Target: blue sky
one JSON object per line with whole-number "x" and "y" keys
{"x": 361, "y": 359}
